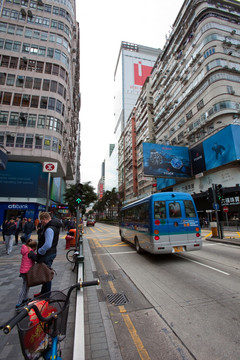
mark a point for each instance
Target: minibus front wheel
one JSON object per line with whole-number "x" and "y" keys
{"x": 137, "y": 246}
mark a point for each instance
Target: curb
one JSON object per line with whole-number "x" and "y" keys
{"x": 230, "y": 241}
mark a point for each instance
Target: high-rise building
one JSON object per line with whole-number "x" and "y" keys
{"x": 39, "y": 102}
{"x": 134, "y": 65}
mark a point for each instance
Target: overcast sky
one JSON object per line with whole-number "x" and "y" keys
{"x": 103, "y": 25}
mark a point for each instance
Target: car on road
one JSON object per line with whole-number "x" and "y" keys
{"x": 90, "y": 222}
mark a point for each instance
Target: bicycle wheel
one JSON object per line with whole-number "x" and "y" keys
{"x": 70, "y": 255}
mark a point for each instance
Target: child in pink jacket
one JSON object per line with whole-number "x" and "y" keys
{"x": 27, "y": 251}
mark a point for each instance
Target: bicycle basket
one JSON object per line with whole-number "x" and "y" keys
{"x": 35, "y": 336}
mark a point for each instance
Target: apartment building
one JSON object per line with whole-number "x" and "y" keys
{"x": 195, "y": 91}
{"x": 39, "y": 102}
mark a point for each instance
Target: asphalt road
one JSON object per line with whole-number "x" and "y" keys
{"x": 183, "y": 306}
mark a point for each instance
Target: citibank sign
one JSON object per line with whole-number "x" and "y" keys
{"x": 17, "y": 206}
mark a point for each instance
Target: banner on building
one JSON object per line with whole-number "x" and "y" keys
{"x": 166, "y": 161}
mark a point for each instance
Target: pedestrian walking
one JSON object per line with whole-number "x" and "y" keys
{"x": 27, "y": 230}
{"x": 18, "y": 229}
{"x": 9, "y": 235}
{"x": 48, "y": 236}
{"x": 28, "y": 256}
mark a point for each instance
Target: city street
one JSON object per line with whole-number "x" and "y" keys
{"x": 184, "y": 306}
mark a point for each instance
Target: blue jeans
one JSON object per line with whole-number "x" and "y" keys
{"x": 48, "y": 260}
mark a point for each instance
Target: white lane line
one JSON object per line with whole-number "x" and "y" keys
{"x": 210, "y": 267}
{"x": 119, "y": 253}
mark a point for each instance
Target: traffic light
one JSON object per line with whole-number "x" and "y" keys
{"x": 79, "y": 193}
{"x": 210, "y": 195}
{"x": 219, "y": 192}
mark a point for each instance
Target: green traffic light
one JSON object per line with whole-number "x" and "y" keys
{"x": 78, "y": 200}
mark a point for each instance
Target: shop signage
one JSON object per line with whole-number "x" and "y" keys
{"x": 17, "y": 206}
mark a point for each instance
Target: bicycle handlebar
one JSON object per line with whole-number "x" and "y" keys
{"x": 9, "y": 325}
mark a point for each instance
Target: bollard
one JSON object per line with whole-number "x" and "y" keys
{"x": 68, "y": 241}
{"x": 214, "y": 229}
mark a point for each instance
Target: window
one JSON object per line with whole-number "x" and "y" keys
{"x": 36, "y": 34}
{"x": 26, "y": 48}
{"x": 17, "y": 99}
{"x": 19, "y": 31}
{"x": 34, "y": 49}
{"x": 16, "y": 46}
{"x": 55, "y": 69}
{"x": 5, "y": 60}
{"x": 189, "y": 115}
{"x": 14, "y": 118}
{"x": 57, "y": 55}
{"x": 54, "y": 24}
{"x": 159, "y": 210}
{"x": 50, "y": 52}
{"x": 50, "y": 122}
{"x": 59, "y": 106}
{"x": 1, "y": 43}
{"x": 37, "y": 83}
{"x": 23, "y": 64}
{"x": 200, "y": 104}
{"x": 54, "y": 144}
{"x": 48, "y": 68}
{"x": 7, "y": 96}
{"x": 47, "y": 143}
{"x": 174, "y": 210}
{"x": 38, "y": 141}
{"x": 3, "y": 27}
{"x": 28, "y": 33}
{"x": 11, "y": 29}
{"x": 46, "y": 85}
{"x": 31, "y": 65}
{"x": 29, "y": 141}
{"x": 29, "y": 82}
{"x": 44, "y": 36}
{"x": 34, "y": 101}
{"x": 40, "y": 65}
{"x": 51, "y": 103}
{"x": 32, "y": 120}
{"x": 2, "y": 138}
{"x": 42, "y": 51}
{"x": 2, "y": 78}
{"x": 53, "y": 86}
{"x": 43, "y": 102}
{"x": 26, "y": 100}
{"x": 60, "y": 89}
{"x": 3, "y": 117}
{"x": 8, "y": 45}
{"x": 41, "y": 121}
{"x": 19, "y": 140}
{"x": 20, "y": 81}
{"x": 13, "y": 63}
{"x": 10, "y": 140}
{"x": 62, "y": 73}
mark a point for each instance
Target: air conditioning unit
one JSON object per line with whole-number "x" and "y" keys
{"x": 30, "y": 14}
{"x": 23, "y": 12}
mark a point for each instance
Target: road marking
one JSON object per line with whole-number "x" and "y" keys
{"x": 128, "y": 322}
{"x": 119, "y": 253}
{"x": 210, "y": 267}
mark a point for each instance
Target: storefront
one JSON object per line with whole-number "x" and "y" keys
{"x": 23, "y": 210}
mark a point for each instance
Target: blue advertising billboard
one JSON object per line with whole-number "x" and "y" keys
{"x": 23, "y": 179}
{"x": 166, "y": 161}
{"x": 223, "y": 147}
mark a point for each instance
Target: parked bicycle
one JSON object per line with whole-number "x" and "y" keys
{"x": 76, "y": 254}
{"x": 42, "y": 324}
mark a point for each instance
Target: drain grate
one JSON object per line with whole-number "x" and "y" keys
{"x": 107, "y": 277}
{"x": 117, "y": 299}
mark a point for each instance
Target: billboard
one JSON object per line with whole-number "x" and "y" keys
{"x": 166, "y": 161}
{"x": 219, "y": 149}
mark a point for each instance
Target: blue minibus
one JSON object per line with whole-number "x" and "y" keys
{"x": 161, "y": 223}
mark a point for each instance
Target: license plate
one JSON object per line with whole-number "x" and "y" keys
{"x": 178, "y": 249}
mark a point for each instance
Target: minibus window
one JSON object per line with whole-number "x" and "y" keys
{"x": 174, "y": 210}
{"x": 189, "y": 209}
{"x": 159, "y": 210}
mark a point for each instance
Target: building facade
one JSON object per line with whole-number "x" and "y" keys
{"x": 195, "y": 101}
{"x": 39, "y": 101}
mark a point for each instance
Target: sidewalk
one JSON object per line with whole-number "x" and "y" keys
{"x": 11, "y": 283}
{"x": 225, "y": 240}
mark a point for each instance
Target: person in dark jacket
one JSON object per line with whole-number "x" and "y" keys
{"x": 28, "y": 229}
{"x": 48, "y": 237}
{"x": 9, "y": 235}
